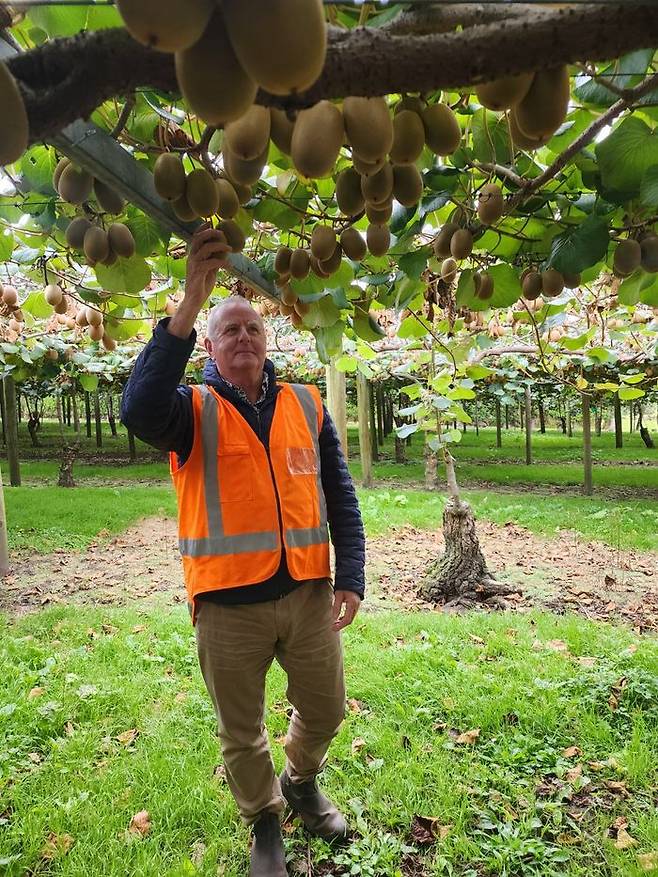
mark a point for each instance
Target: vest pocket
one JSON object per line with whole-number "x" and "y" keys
{"x": 235, "y": 468}
{"x": 301, "y": 461}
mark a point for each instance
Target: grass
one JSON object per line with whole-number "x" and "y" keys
{"x": 514, "y": 802}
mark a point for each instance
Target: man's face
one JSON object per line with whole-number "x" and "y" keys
{"x": 238, "y": 344}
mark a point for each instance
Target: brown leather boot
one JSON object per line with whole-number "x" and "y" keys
{"x": 268, "y": 858}
{"x": 319, "y": 815}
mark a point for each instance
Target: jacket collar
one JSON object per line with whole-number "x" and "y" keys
{"x": 213, "y": 378}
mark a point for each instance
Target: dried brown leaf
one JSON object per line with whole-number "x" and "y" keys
{"x": 140, "y": 824}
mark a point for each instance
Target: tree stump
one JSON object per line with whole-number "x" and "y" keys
{"x": 69, "y": 454}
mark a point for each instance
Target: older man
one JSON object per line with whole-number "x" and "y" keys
{"x": 261, "y": 480}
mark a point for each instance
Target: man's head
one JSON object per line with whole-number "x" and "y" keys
{"x": 236, "y": 341}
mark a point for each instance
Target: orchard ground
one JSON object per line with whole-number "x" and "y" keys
{"x": 517, "y": 743}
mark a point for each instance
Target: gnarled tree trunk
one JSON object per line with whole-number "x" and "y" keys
{"x": 69, "y": 454}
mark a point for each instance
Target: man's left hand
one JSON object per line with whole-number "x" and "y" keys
{"x": 346, "y": 605}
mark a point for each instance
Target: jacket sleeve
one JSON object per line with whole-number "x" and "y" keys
{"x": 153, "y": 405}
{"x": 344, "y": 516}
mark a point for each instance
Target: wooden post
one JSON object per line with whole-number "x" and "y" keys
{"x": 528, "y": 427}
{"x": 19, "y": 407}
{"x": 374, "y": 448}
{"x": 76, "y": 413}
{"x": 587, "y": 444}
{"x": 380, "y": 414}
{"x": 619, "y": 432}
{"x": 88, "y": 414}
{"x": 4, "y": 548}
{"x": 499, "y": 437}
{"x": 336, "y": 402}
{"x": 97, "y": 419}
{"x": 630, "y": 417}
{"x": 110, "y": 415}
{"x": 507, "y": 417}
{"x": 542, "y": 416}
{"x": 365, "y": 439}
{"x": 11, "y": 431}
{"x": 521, "y": 423}
{"x": 569, "y": 424}
{"x": 2, "y": 412}
{"x": 598, "y": 420}
{"x": 131, "y": 446}
{"x": 476, "y": 418}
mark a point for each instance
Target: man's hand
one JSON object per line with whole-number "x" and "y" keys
{"x": 206, "y": 256}
{"x": 348, "y": 603}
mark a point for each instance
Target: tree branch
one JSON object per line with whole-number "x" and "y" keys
{"x": 66, "y": 79}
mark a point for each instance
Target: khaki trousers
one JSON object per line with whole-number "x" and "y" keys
{"x": 236, "y": 647}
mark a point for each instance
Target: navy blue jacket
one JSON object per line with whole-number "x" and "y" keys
{"x": 158, "y": 410}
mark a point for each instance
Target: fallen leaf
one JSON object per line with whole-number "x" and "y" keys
{"x": 616, "y": 693}
{"x": 476, "y": 639}
{"x": 37, "y": 691}
{"x": 357, "y": 745}
{"x": 198, "y": 853}
{"x": 468, "y": 738}
{"x": 571, "y": 752}
{"x": 557, "y": 645}
{"x": 354, "y": 705}
{"x": 219, "y": 773}
{"x": 586, "y": 661}
{"x": 624, "y": 840}
{"x": 648, "y": 861}
{"x": 425, "y": 830}
{"x": 56, "y": 845}
{"x": 140, "y": 823}
{"x": 609, "y": 581}
{"x": 128, "y": 737}
{"x": 139, "y": 628}
{"x": 574, "y": 773}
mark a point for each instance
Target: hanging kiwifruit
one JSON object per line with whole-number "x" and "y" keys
{"x": 442, "y": 131}
{"x": 627, "y": 258}
{"x": 76, "y": 231}
{"x": 378, "y": 189}
{"x": 300, "y": 264}
{"x": 485, "y": 288}
{"x": 544, "y": 108}
{"x": 243, "y": 192}
{"x": 63, "y": 306}
{"x": 349, "y": 197}
{"x": 332, "y": 264}
{"x": 532, "y": 285}
{"x": 288, "y": 296}
{"x": 122, "y": 242}
{"x": 407, "y": 184}
{"x": 281, "y": 43}
{"x": 210, "y": 61}
{"x": 379, "y": 215}
{"x": 461, "y": 244}
{"x": 169, "y": 176}
{"x": 410, "y": 102}
{"x": 552, "y": 283}
{"x": 108, "y": 343}
{"x": 96, "y": 245}
{"x": 281, "y": 128}
{"x": 228, "y": 199}
{"x": 75, "y": 184}
{"x": 367, "y": 168}
{"x": 183, "y": 210}
{"x": 248, "y": 136}
{"x": 491, "y": 204}
{"x": 96, "y": 332}
{"x": 408, "y": 137}
{"x": 201, "y": 193}
{"x": 519, "y": 139}
{"x": 94, "y": 317}
{"x": 379, "y": 239}
{"x": 15, "y": 130}
{"x": 368, "y": 127}
{"x": 571, "y": 281}
{"x": 323, "y": 242}
{"x": 449, "y": 269}
{"x": 316, "y": 269}
{"x": 353, "y": 244}
{"x": 247, "y": 173}
{"x": 649, "y": 248}
{"x": 235, "y": 237}
{"x": 81, "y": 318}
{"x": 168, "y": 25}
{"x": 53, "y": 294}
{"x": 317, "y": 139}
{"x": 501, "y": 94}
{"x": 59, "y": 170}
{"x": 282, "y": 261}
{"x": 442, "y": 240}
{"x": 108, "y": 199}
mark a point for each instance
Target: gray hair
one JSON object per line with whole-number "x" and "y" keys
{"x": 215, "y": 314}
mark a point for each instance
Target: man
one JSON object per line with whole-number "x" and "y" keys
{"x": 259, "y": 474}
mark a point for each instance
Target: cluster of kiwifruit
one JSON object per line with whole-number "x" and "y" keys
{"x": 537, "y": 102}
{"x": 631, "y": 254}
{"x": 85, "y": 317}
{"x": 226, "y": 51}
{"x": 99, "y": 244}
{"x": 14, "y": 134}
{"x": 12, "y": 307}
{"x": 289, "y": 263}
{"x": 198, "y": 195}
{"x": 549, "y": 283}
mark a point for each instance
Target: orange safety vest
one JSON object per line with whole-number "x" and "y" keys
{"x": 234, "y": 503}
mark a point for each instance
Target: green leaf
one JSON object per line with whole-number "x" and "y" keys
{"x": 37, "y": 305}
{"x": 37, "y": 166}
{"x": 477, "y": 372}
{"x": 126, "y": 275}
{"x": 625, "y": 155}
{"x": 411, "y": 327}
{"x": 623, "y": 73}
{"x": 6, "y": 245}
{"x": 59, "y": 20}
{"x": 89, "y": 382}
{"x": 638, "y": 287}
{"x": 578, "y": 248}
{"x": 149, "y": 236}
{"x": 627, "y": 394}
{"x": 413, "y": 264}
{"x": 649, "y": 188}
{"x": 633, "y": 379}
{"x": 490, "y": 137}
{"x": 346, "y": 364}
{"x": 507, "y": 286}
{"x": 329, "y": 340}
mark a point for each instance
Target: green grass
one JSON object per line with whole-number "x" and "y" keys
{"x": 510, "y": 806}
{"x": 47, "y": 471}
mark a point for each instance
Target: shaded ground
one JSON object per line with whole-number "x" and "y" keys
{"x": 564, "y": 574}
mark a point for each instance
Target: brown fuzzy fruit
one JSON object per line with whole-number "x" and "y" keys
{"x": 407, "y": 184}
{"x": 75, "y": 185}
{"x": 96, "y": 332}
{"x": 501, "y": 94}
{"x": 167, "y": 25}
{"x": 234, "y": 235}
{"x": 323, "y": 242}
{"x": 571, "y": 281}
{"x": 368, "y": 127}
{"x": 228, "y": 199}
{"x": 461, "y": 244}
{"x": 300, "y": 264}
{"x": 169, "y": 176}
{"x": 248, "y": 136}
{"x": 245, "y": 173}
{"x": 281, "y": 129}
{"x": 408, "y": 137}
{"x": 649, "y": 247}
{"x": 10, "y": 296}
{"x": 491, "y": 204}
{"x": 520, "y": 140}
{"x": 544, "y": 108}
{"x": 532, "y": 285}
{"x": 378, "y": 189}
{"x": 627, "y": 258}
{"x": 485, "y": 289}
{"x": 282, "y": 261}
{"x": 552, "y": 283}
{"x": 288, "y": 296}
{"x": 76, "y": 231}
{"x": 14, "y": 136}
{"x": 442, "y": 131}
{"x": 53, "y": 294}
{"x": 183, "y": 210}
{"x": 379, "y": 239}
{"x": 349, "y": 197}
{"x": 62, "y": 307}
{"x": 317, "y": 140}
{"x": 96, "y": 245}
{"x": 442, "y": 240}
{"x": 367, "y": 168}
{"x": 122, "y": 242}
{"x": 201, "y": 193}
{"x": 332, "y": 264}
{"x": 94, "y": 317}
{"x": 449, "y": 270}
{"x": 409, "y": 102}
{"x": 315, "y": 267}
{"x": 353, "y": 244}
{"x": 108, "y": 199}
{"x": 59, "y": 170}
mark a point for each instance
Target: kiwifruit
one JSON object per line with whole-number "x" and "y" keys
{"x": 63, "y": 306}
{"x": 409, "y": 102}
{"x": 201, "y": 193}
{"x": 228, "y": 199}
{"x": 571, "y": 281}
{"x": 210, "y": 61}
{"x": 552, "y": 283}
{"x": 108, "y": 343}
{"x": 168, "y": 25}
{"x": 545, "y": 106}
{"x": 53, "y": 294}
{"x": 302, "y": 307}
{"x": 81, "y": 318}
{"x": 243, "y": 192}
{"x": 485, "y": 289}
{"x": 501, "y": 94}
{"x": 10, "y": 296}
{"x": 379, "y": 215}
{"x": 94, "y": 317}
{"x": 442, "y": 132}
{"x": 122, "y": 241}
{"x": 378, "y": 189}
{"x": 442, "y": 240}
{"x": 300, "y": 264}
{"x": 368, "y": 127}
{"x": 407, "y": 184}
{"x": 76, "y": 231}
{"x": 15, "y": 326}
{"x": 449, "y": 269}
{"x": 317, "y": 139}
{"x": 282, "y": 260}
{"x": 367, "y": 168}
{"x": 408, "y": 137}
{"x": 244, "y": 172}
{"x": 59, "y": 170}
{"x": 282, "y": 280}
{"x": 96, "y": 244}
{"x": 649, "y": 247}
{"x": 111, "y": 259}
{"x": 323, "y": 242}
{"x": 532, "y": 285}
{"x": 169, "y": 176}
{"x": 288, "y": 296}
{"x": 627, "y": 258}
{"x": 248, "y": 136}
{"x": 461, "y": 244}
{"x": 183, "y": 210}
{"x": 14, "y": 138}
{"x": 286, "y": 310}
{"x": 519, "y": 139}
{"x": 332, "y": 264}
{"x": 281, "y": 43}
{"x": 379, "y": 239}
{"x": 96, "y": 332}
{"x": 491, "y": 204}
{"x": 235, "y": 237}
{"x": 353, "y": 244}
{"x": 108, "y": 199}
{"x": 75, "y": 184}
{"x": 281, "y": 129}
{"x": 316, "y": 269}
{"x": 349, "y": 197}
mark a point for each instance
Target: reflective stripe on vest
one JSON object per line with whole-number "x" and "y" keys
{"x": 218, "y": 543}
